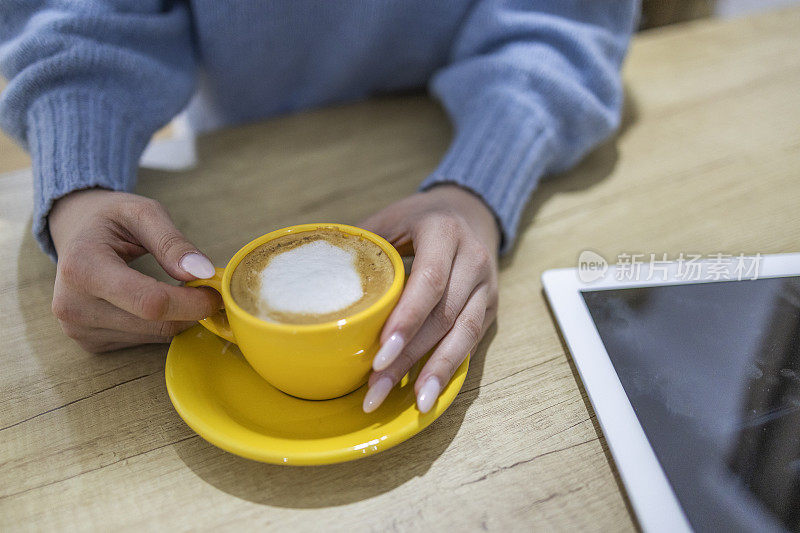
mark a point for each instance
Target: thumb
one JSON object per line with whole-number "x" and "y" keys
{"x": 389, "y": 222}
{"x": 393, "y": 224}
{"x": 154, "y": 229}
{"x": 376, "y": 223}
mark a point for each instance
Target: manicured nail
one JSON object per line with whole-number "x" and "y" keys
{"x": 197, "y": 265}
{"x": 377, "y": 393}
{"x": 428, "y": 393}
{"x": 388, "y": 352}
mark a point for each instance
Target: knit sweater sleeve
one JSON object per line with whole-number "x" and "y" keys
{"x": 89, "y": 83}
{"x": 531, "y": 87}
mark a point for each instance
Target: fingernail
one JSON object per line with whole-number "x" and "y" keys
{"x": 377, "y": 393}
{"x": 428, "y": 394}
{"x": 388, "y": 352}
{"x": 197, "y": 265}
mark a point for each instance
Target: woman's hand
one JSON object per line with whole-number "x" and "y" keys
{"x": 101, "y": 302}
{"x": 451, "y": 295}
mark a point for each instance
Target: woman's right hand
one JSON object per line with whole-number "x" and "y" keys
{"x": 98, "y": 299}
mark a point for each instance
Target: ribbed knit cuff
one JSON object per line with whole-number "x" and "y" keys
{"x": 499, "y": 152}
{"x": 78, "y": 140}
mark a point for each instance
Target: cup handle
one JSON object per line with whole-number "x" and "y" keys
{"x": 217, "y": 323}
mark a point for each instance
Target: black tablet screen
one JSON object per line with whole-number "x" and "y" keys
{"x": 713, "y": 373}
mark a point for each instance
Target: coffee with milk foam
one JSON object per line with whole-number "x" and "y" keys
{"x": 312, "y": 277}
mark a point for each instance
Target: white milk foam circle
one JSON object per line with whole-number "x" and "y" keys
{"x": 313, "y": 278}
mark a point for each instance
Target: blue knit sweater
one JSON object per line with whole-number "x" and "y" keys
{"x": 530, "y": 86}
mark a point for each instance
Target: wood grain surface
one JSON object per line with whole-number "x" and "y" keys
{"x": 706, "y": 161}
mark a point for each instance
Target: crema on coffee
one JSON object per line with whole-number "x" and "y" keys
{"x": 312, "y": 277}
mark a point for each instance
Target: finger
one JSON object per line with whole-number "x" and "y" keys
{"x": 107, "y": 336}
{"x": 102, "y": 273}
{"x": 98, "y": 340}
{"x": 417, "y": 348}
{"x": 383, "y": 381}
{"x": 377, "y": 392}
{"x": 392, "y": 227}
{"x": 430, "y": 274}
{"x": 106, "y": 348}
{"x": 84, "y": 310}
{"x": 451, "y": 351}
{"x": 464, "y": 278}
{"x": 150, "y": 224}
{"x": 387, "y": 222}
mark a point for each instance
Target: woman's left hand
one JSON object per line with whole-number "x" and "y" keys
{"x": 451, "y": 294}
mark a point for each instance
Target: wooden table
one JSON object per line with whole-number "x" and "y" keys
{"x": 707, "y": 161}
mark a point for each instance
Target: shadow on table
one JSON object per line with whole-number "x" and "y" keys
{"x": 597, "y": 166}
{"x": 594, "y": 168}
{"x": 593, "y": 417}
{"x": 337, "y": 484}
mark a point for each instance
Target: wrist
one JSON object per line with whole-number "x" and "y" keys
{"x": 472, "y": 207}
{"x": 67, "y": 213}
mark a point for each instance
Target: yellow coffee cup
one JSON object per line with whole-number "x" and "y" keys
{"x": 311, "y": 361}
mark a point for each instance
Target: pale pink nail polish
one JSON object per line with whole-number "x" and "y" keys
{"x": 388, "y": 352}
{"x": 377, "y": 393}
{"x": 197, "y": 265}
{"x": 428, "y": 394}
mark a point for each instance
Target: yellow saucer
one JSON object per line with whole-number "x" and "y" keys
{"x": 221, "y": 397}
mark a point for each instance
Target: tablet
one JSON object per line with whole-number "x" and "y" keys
{"x": 693, "y": 369}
